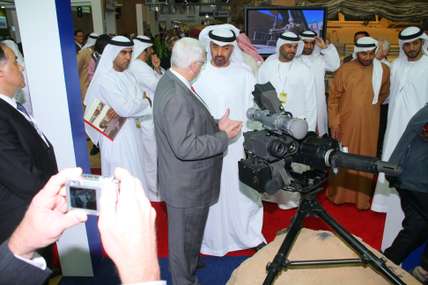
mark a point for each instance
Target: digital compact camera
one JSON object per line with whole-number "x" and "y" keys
{"x": 84, "y": 193}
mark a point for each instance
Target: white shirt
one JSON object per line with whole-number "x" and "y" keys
{"x": 11, "y": 101}
{"x": 37, "y": 261}
{"x": 187, "y": 83}
{"x": 160, "y": 282}
{"x": 181, "y": 78}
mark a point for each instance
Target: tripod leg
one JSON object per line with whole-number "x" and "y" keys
{"x": 280, "y": 258}
{"x": 365, "y": 254}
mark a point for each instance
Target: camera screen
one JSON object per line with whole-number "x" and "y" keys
{"x": 83, "y": 198}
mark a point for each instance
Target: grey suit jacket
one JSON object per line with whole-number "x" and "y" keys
{"x": 189, "y": 144}
{"x": 15, "y": 271}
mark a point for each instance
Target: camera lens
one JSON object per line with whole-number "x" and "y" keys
{"x": 277, "y": 148}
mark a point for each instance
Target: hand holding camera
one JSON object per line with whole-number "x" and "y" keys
{"x": 47, "y": 216}
{"x": 84, "y": 192}
{"x": 126, "y": 223}
{"x": 127, "y": 227}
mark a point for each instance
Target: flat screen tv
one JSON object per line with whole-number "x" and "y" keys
{"x": 264, "y": 25}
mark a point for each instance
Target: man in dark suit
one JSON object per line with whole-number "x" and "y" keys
{"x": 190, "y": 147}
{"x": 27, "y": 158}
{"x": 126, "y": 225}
{"x": 79, "y": 40}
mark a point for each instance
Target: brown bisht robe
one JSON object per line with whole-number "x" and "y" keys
{"x": 351, "y": 110}
{"x": 83, "y": 59}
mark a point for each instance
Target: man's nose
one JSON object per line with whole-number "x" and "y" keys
{"x": 220, "y": 51}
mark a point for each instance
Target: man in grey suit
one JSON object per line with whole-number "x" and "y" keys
{"x": 190, "y": 153}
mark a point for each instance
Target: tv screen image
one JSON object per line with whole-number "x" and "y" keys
{"x": 265, "y": 25}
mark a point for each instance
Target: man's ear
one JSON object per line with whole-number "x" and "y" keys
{"x": 193, "y": 67}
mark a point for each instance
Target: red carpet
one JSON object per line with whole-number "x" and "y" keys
{"x": 367, "y": 225}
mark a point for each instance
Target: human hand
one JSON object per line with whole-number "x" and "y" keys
{"x": 156, "y": 63}
{"x": 111, "y": 114}
{"x": 155, "y": 60}
{"x": 231, "y": 127}
{"x": 127, "y": 228}
{"x": 320, "y": 42}
{"x": 336, "y": 133}
{"x": 46, "y": 217}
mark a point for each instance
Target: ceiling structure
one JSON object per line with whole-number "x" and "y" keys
{"x": 395, "y": 10}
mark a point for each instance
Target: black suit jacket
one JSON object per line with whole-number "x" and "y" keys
{"x": 14, "y": 271}
{"x": 26, "y": 164}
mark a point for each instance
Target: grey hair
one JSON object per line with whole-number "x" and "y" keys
{"x": 186, "y": 51}
{"x": 385, "y": 45}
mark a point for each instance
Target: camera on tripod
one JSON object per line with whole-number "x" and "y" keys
{"x": 272, "y": 153}
{"x": 271, "y": 157}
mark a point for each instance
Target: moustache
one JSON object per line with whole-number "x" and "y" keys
{"x": 219, "y": 57}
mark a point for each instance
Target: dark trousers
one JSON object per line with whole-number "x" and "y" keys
{"x": 382, "y": 127}
{"x": 415, "y": 228}
{"x": 185, "y": 232}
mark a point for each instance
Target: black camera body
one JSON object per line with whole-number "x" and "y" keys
{"x": 269, "y": 146}
{"x": 268, "y": 166}
{"x": 273, "y": 153}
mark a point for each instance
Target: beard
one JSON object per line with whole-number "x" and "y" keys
{"x": 122, "y": 66}
{"x": 308, "y": 51}
{"x": 365, "y": 62}
{"x": 288, "y": 56}
{"x": 413, "y": 53}
{"x": 220, "y": 61}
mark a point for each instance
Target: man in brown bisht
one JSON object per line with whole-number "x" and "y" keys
{"x": 356, "y": 94}
{"x": 83, "y": 59}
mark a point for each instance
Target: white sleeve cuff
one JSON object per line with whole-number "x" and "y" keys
{"x": 37, "y": 261}
{"x": 160, "y": 282}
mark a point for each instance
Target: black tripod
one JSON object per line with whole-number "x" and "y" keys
{"x": 310, "y": 206}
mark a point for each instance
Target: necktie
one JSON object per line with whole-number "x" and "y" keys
{"x": 21, "y": 108}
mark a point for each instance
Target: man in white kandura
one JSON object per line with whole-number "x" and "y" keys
{"x": 409, "y": 93}
{"x": 148, "y": 78}
{"x": 113, "y": 84}
{"x": 320, "y": 57}
{"x": 226, "y": 82}
{"x": 295, "y": 85}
